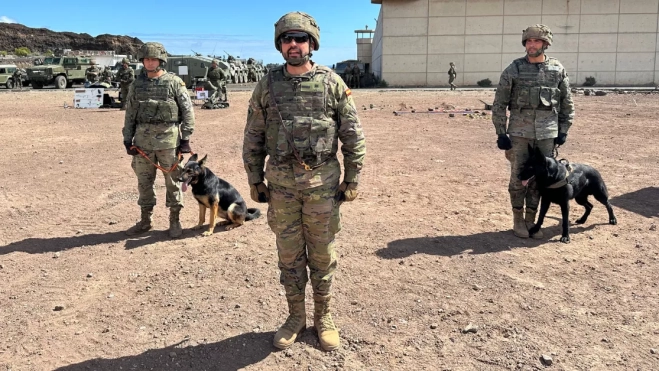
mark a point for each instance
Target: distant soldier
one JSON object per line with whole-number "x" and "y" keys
{"x": 347, "y": 75}
{"x": 18, "y": 79}
{"x": 92, "y": 73}
{"x": 356, "y": 74}
{"x": 106, "y": 75}
{"x": 452, "y": 75}
{"x": 536, "y": 90}
{"x": 125, "y": 75}
{"x": 216, "y": 84}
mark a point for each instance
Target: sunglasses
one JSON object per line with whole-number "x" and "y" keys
{"x": 299, "y": 37}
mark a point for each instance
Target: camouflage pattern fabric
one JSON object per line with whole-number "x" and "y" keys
{"x": 305, "y": 223}
{"x": 356, "y": 74}
{"x": 539, "y": 98}
{"x": 146, "y": 177}
{"x": 216, "y": 80}
{"x": 125, "y": 76}
{"x": 93, "y": 74}
{"x": 154, "y": 109}
{"x": 517, "y": 156}
{"x": 317, "y": 110}
{"x": 451, "y": 77}
{"x": 347, "y": 75}
{"x": 18, "y": 79}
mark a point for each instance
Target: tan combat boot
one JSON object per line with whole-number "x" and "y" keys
{"x": 328, "y": 334}
{"x": 144, "y": 224}
{"x": 295, "y": 323}
{"x": 529, "y": 219}
{"x": 519, "y": 226}
{"x": 175, "y": 228}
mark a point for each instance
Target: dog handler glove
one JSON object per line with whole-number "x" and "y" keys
{"x": 347, "y": 191}
{"x": 259, "y": 192}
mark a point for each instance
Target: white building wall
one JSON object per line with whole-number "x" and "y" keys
{"x": 613, "y": 40}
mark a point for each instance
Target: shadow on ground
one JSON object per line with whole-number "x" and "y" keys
{"x": 229, "y": 354}
{"x": 479, "y": 243}
{"x": 644, "y": 202}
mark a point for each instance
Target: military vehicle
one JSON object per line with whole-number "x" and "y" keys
{"x": 7, "y": 76}
{"x": 238, "y": 69}
{"x": 366, "y": 78}
{"x": 63, "y": 72}
{"x": 255, "y": 70}
{"x": 193, "y": 69}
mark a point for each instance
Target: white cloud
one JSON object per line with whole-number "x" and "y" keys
{"x": 5, "y": 19}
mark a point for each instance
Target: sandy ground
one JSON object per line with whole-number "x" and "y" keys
{"x": 425, "y": 251}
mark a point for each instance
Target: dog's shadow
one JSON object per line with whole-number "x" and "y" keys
{"x": 479, "y": 243}
{"x": 644, "y": 202}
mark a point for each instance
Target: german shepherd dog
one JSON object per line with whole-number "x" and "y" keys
{"x": 559, "y": 182}
{"x": 215, "y": 194}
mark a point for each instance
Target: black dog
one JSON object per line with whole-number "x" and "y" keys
{"x": 559, "y": 182}
{"x": 215, "y": 194}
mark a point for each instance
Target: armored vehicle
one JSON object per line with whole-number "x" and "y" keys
{"x": 366, "y": 77}
{"x": 193, "y": 69}
{"x": 63, "y": 72}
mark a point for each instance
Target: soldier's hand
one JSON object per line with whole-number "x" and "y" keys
{"x": 259, "y": 192}
{"x": 184, "y": 146}
{"x": 560, "y": 140}
{"x": 347, "y": 192}
{"x": 503, "y": 142}
{"x": 129, "y": 150}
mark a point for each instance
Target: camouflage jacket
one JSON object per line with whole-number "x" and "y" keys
{"x": 125, "y": 75}
{"x": 356, "y": 71}
{"x": 93, "y": 74}
{"x": 216, "y": 77}
{"x": 451, "y": 72}
{"x": 316, "y": 109}
{"x": 154, "y": 109}
{"x": 539, "y": 98}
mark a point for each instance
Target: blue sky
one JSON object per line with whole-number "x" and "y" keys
{"x": 244, "y": 28}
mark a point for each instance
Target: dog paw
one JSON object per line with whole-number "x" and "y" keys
{"x": 613, "y": 221}
{"x": 534, "y": 230}
{"x": 230, "y": 227}
{"x": 197, "y": 226}
{"x": 565, "y": 239}
{"x": 207, "y": 233}
{"x": 580, "y": 221}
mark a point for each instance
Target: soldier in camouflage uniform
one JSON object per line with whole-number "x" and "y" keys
{"x": 126, "y": 76}
{"x": 347, "y": 74}
{"x": 452, "y": 75}
{"x": 356, "y": 75}
{"x": 216, "y": 82}
{"x": 296, "y": 116}
{"x": 92, "y": 73}
{"x": 157, "y": 103}
{"x": 536, "y": 89}
{"x": 106, "y": 75}
{"x": 18, "y": 79}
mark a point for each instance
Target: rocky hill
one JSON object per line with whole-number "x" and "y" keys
{"x": 13, "y": 35}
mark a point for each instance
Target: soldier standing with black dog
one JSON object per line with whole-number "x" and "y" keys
{"x": 536, "y": 89}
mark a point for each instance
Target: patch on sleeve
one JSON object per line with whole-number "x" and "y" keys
{"x": 348, "y": 92}
{"x": 182, "y": 83}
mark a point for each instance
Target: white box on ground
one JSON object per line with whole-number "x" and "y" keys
{"x": 202, "y": 94}
{"x": 88, "y": 98}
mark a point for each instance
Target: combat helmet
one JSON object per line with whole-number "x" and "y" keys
{"x": 216, "y": 61}
{"x": 297, "y": 21}
{"x": 538, "y": 31}
{"x": 152, "y": 50}
{"x": 92, "y": 62}
{"x": 125, "y": 61}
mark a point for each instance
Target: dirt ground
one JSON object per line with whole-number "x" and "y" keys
{"x": 425, "y": 251}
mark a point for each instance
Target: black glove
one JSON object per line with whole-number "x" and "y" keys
{"x": 130, "y": 151}
{"x": 503, "y": 142}
{"x": 259, "y": 192}
{"x": 560, "y": 140}
{"x": 184, "y": 146}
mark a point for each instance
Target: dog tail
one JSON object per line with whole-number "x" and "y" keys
{"x": 252, "y": 213}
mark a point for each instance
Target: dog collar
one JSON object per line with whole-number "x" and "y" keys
{"x": 563, "y": 182}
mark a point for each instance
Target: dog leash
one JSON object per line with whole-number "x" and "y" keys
{"x": 554, "y": 152}
{"x": 166, "y": 171}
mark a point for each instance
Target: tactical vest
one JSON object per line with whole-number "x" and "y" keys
{"x": 305, "y": 121}
{"x": 215, "y": 76}
{"x": 536, "y": 86}
{"x": 155, "y": 101}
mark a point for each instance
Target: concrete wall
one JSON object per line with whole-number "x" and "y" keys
{"x": 376, "y": 51}
{"x": 364, "y": 50}
{"x": 613, "y": 40}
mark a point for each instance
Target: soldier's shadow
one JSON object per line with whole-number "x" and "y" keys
{"x": 230, "y": 354}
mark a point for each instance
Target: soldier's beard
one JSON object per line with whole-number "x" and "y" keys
{"x": 296, "y": 61}
{"x": 536, "y": 53}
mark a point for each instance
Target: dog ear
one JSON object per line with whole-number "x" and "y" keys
{"x": 193, "y": 158}
{"x": 202, "y": 161}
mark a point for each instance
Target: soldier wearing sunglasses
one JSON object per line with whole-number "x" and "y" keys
{"x": 297, "y": 114}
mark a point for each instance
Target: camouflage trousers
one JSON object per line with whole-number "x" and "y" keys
{"x": 517, "y": 156}
{"x": 217, "y": 94}
{"x": 124, "y": 94}
{"x": 355, "y": 81}
{"x": 18, "y": 83}
{"x": 305, "y": 223}
{"x": 348, "y": 80}
{"x": 451, "y": 78}
{"x": 146, "y": 177}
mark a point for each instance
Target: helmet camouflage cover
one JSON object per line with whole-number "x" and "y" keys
{"x": 152, "y": 50}
{"x": 125, "y": 60}
{"x": 93, "y": 61}
{"x": 216, "y": 61}
{"x": 297, "y": 21}
{"x": 538, "y": 31}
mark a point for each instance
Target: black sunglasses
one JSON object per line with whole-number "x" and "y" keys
{"x": 299, "y": 37}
